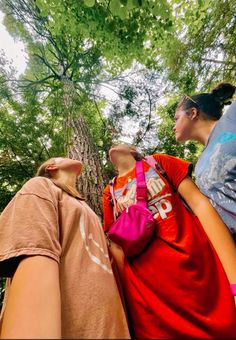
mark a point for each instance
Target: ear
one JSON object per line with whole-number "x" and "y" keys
{"x": 52, "y": 167}
{"x": 193, "y": 113}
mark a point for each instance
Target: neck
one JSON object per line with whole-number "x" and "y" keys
{"x": 203, "y": 131}
{"x": 125, "y": 166}
{"x": 67, "y": 178}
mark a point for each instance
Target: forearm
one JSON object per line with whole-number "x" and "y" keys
{"x": 219, "y": 236}
{"x": 117, "y": 256}
{"x": 33, "y": 308}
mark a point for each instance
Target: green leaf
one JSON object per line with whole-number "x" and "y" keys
{"x": 42, "y": 7}
{"x": 122, "y": 13}
{"x": 130, "y": 4}
{"x": 89, "y": 3}
{"x": 156, "y": 10}
{"x": 114, "y": 6}
{"x": 136, "y": 3}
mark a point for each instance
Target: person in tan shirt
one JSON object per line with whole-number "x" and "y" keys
{"x": 54, "y": 253}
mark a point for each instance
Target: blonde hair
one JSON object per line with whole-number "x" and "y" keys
{"x": 42, "y": 171}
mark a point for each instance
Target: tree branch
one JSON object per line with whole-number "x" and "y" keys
{"x": 219, "y": 61}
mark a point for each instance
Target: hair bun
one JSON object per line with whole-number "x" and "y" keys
{"x": 223, "y": 93}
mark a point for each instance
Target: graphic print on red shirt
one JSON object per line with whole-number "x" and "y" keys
{"x": 177, "y": 287}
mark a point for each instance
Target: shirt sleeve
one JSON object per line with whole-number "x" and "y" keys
{"x": 29, "y": 225}
{"x": 107, "y": 208}
{"x": 176, "y": 169}
{"x": 230, "y": 113}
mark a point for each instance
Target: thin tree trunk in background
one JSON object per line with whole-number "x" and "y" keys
{"x": 92, "y": 180}
{"x": 79, "y": 145}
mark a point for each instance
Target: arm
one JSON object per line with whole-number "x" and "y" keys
{"x": 214, "y": 227}
{"x": 33, "y": 308}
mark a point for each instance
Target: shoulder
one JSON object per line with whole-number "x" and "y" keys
{"x": 42, "y": 187}
{"x": 165, "y": 158}
{"x": 37, "y": 184}
{"x": 107, "y": 189}
{"x": 175, "y": 169}
{"x": 160, "y": 156}
{"x": 230, "y": 113}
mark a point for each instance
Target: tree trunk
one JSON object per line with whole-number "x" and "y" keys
{"x": 92, "y": 180}
{"x": 79, "y": 145}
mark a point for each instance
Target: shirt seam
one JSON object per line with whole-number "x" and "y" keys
{"x": 33, "y": 194}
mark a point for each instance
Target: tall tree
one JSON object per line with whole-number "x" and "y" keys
{"x": 73, "y": 47}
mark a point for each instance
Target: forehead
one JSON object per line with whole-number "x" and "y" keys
{"x": 120, "y": 145}
{"x": 179, "y": 111}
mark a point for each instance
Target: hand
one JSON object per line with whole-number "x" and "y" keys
{"x": 118, "y": 256}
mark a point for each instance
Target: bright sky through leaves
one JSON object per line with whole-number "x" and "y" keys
{"x": 13, "y": 49}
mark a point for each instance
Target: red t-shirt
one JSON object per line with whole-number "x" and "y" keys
{"x": 177, "y": 287}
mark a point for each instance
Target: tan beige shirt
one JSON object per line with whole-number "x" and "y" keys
{"x": 42, "y": 219}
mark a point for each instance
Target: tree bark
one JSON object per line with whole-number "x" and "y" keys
{"x": 79, "y": 145}
{"x": 92, "y": 179}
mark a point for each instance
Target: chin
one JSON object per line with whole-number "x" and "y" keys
{"x": 113, "y": 161}
{"x": 111, "y": 152}
{"x": 113, "y": 155}
{"x": 180, "y": 138}
{"x": 78, "y": 170}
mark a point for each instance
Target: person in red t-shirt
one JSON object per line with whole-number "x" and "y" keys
{"x": 178, "y": 287}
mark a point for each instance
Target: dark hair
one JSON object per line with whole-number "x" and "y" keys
{"x": 211, "y": 104}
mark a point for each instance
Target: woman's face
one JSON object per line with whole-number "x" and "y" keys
{"x": 183, "y": 125}
{"x": 117, "y": 152}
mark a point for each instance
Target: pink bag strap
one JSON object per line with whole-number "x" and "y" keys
{"x": 111, "y": 185}
{"x": 141, "y": 188}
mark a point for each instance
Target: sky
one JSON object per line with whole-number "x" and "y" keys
{"x": 13, "y": 49}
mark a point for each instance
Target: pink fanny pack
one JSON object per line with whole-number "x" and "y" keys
{"x": 135, "y": 226}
